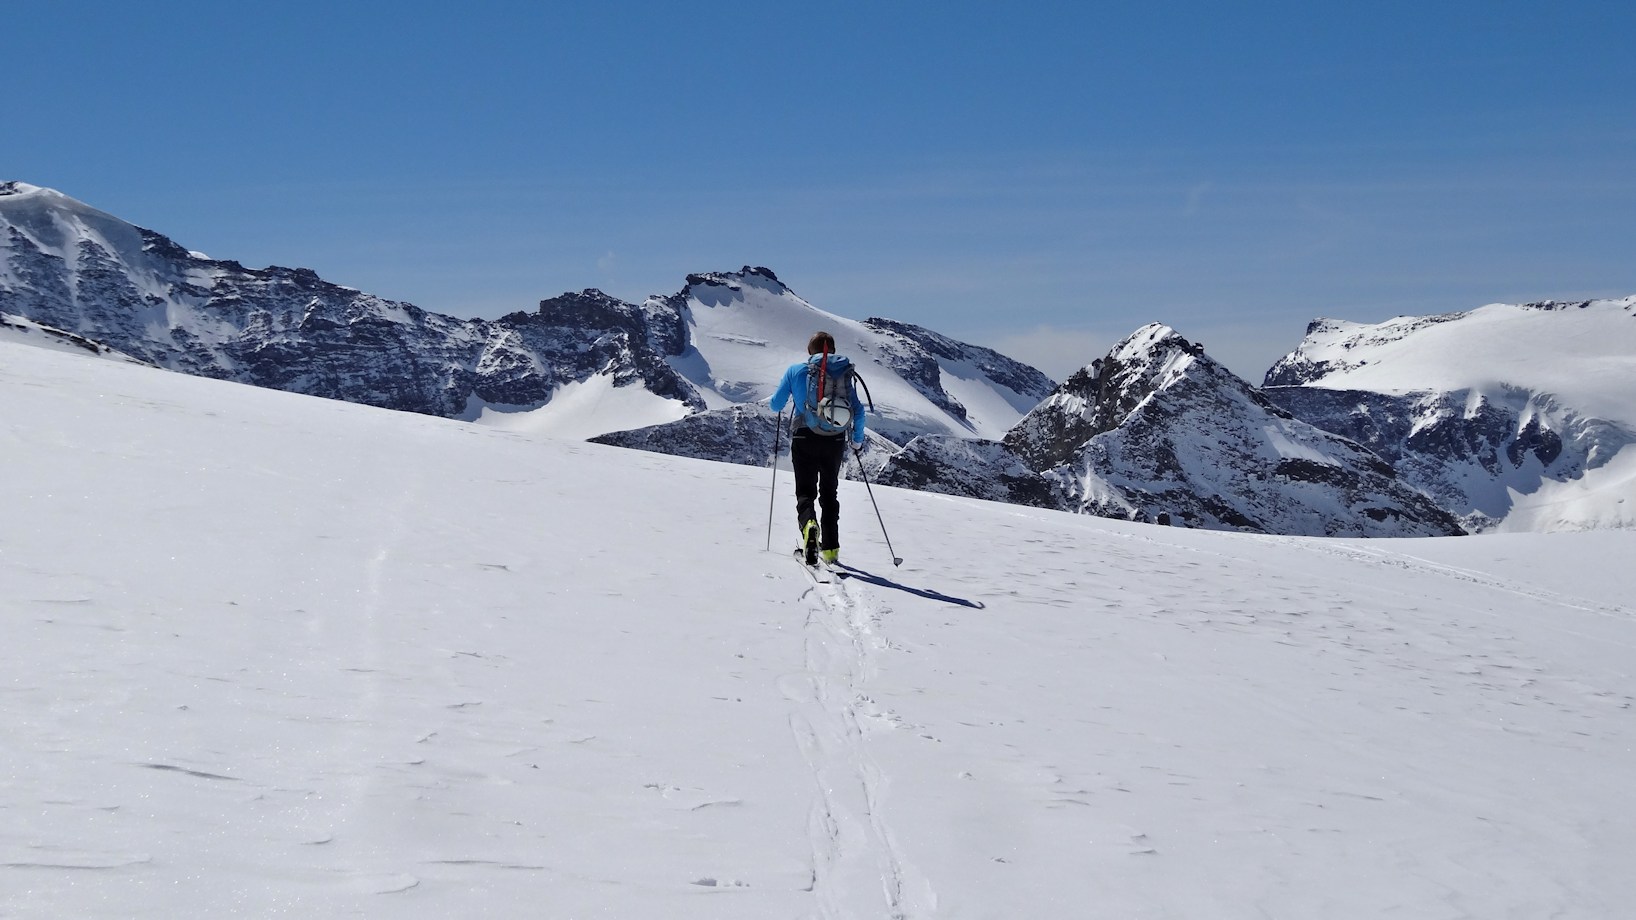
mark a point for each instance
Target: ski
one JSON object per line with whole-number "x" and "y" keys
{"x": 817, "y": 571}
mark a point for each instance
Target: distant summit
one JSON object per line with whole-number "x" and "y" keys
{"x": 1158, "y": 431}
{"x": 582, "y": 364}
{"x": 734, "y": 280}
{"x": 1513, "y": 416}
{"x": 1507, "y": 417}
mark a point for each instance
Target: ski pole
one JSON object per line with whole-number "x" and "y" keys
{"x": 858, "y": 454}
{"x": 778, "y": 438}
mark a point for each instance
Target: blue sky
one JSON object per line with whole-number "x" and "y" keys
{"x": 1042, "y": 180}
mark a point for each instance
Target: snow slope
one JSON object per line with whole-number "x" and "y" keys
{"x": 22, "y": 331}
{"x": 1584, "y": 354}
{"x": 267, "y": 653}
{"x": 1517, "y": 417}
{"x": 747, "y": 328}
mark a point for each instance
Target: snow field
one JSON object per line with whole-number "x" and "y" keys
{"x": 1494, "y": 347}
{"x": 271, "y": 653}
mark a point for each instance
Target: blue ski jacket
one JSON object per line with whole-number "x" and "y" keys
{"x": 794, "y": 384}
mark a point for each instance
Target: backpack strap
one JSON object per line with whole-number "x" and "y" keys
{"x": 867, "y": 395}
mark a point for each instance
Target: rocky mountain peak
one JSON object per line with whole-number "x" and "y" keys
{"x": 1548, "y": 306}
{"x": 1509, "y": 415}
{"x": 1157, "y": 430}
{"x": 1151, "y": 359}
{"x": 1100, "y": 396}
{"x": 590, "y": 300}
{"x": 602, "y": 364}
{"x": 755, "y": 276}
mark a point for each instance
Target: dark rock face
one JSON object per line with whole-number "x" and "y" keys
{"x": 1544, "y": 444}
{"x": 42, "y": 282}
{"x": 1505, "y": 414}
{"x": 287, "y": 328}
{"x": 1157, "y": 427}
{"x": 1155, "y": 430}
{"x": 745, "y": 435}
{"x": 581, "y": 335}
{"x": 1465, "y": 450}
{"x": 1094, "y": 400}
{"x": 279, "y": 327}
{"x": 914, "y": 352}
{"x": 65, "y": 265}
{"x": 738, "y": 434}
{"x": 970, "y": 468}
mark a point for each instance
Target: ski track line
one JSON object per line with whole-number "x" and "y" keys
{"x": 1409, "y": 562}
{"x": 1425, "y": 566}
{"x": 857, "y": 872}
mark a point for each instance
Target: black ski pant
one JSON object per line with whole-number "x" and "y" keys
{"x": 817, "y": 460}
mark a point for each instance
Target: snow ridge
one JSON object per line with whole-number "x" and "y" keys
{"x": 723, "y": 340}
{"x": 1512, "y": 416}
{"x": 1508, "y": 416}
{"x": 1158, "y": 431}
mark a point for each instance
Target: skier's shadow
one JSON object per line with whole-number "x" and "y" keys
{"x": 871, "y": 578}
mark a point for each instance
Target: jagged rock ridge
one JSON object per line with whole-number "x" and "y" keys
{"x": 1512, "y": 416}
{"x": 1157, "y": 430}
{"x": 723, "y": 340}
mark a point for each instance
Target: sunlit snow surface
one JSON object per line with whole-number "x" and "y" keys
{"x": 580, "y": 410}
{"x": 1570, "y": 365}
{"x": 1584, "y": 355}
{"x": 265, "y": 653}
{"x": 745, "y": 335}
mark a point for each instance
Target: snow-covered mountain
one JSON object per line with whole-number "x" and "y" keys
{"x": 743, "y": 329}
{"x": 582, "y": 365}
{"x": 1508, "y": 417}
{"x": 1158, "y": 431}
{"x": 1514, "y": 417}
{"x": 267, "y": 655}
{"x": 69, "y": 266}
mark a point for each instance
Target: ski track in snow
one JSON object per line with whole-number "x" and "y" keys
{"x": 272, "y": 655}
{"x": 1412, "y": 563}
{"x": 857, "y": 869}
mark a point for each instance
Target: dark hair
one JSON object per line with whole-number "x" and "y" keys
{"x": 821, "y": 342}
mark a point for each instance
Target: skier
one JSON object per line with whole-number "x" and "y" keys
{"x": 827, "y": 411}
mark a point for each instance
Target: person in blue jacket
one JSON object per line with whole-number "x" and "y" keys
{"x": 818, "y": 444}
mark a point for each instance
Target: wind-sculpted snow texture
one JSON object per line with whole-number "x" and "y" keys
{"x": 266, "y": 655}
{"x": 1513, "y": 417}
